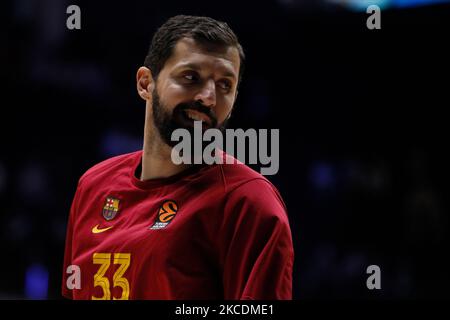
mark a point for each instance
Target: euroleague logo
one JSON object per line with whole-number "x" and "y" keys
{"x": 166, "y": 213}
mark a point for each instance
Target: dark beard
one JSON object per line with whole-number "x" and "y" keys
{"x": 167, "y": 123}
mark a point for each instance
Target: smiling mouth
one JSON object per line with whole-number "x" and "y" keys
{"x": 192, "y": 115}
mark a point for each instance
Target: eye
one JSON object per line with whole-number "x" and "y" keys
{"x": 225, "y": 85}
{"x": 190, "y": 76}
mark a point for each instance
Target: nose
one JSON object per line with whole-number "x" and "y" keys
{"x": 207, "y": 94}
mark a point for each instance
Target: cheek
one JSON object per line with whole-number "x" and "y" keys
{"x": 174, "y": 94}
{"x": 224, "y": 107}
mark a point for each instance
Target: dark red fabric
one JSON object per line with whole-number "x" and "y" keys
{"x": 229, "y": 238}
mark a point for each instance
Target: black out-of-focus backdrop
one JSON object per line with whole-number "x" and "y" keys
{"x": 361, "y": 113}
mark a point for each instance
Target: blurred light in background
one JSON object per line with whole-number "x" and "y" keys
{"x": 36, "y": 282}
{"x": 322, "y": 176}
{"x": 115, "y": 142}
{"x": 361, "y": 5}
{"x": 413, "y": 3}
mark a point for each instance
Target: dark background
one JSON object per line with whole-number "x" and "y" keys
{"x": 361, "y": 114}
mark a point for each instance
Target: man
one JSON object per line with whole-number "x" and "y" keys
{"x": 142, "y": 227}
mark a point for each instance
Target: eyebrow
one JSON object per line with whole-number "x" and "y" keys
{"x": 196, "y": 67}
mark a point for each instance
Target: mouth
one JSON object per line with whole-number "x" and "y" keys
{"x": 191, "y": 115}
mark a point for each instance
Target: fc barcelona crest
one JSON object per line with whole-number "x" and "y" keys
{"x": 110, "y": 208}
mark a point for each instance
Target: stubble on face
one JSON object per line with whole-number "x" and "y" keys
{"x": 166, "y": 121}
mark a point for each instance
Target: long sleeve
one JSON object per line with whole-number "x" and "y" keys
{"x": 256, "y": 247}
{"x": 66, "y": 292}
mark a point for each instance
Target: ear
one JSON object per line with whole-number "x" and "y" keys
{"x": 144, "y": 83}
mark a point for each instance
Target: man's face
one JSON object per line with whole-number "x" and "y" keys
{"x": 196, "y": 84}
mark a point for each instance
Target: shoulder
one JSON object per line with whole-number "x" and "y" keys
{"x": 248, "y": 190}
{"x": 109, "y": 168}
{"x": 254, "y": 209}
{"x": 258, "y": 196}
{"x": 235, "y": 173}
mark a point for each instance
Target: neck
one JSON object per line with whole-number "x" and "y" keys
{"x": 156, "y": 156}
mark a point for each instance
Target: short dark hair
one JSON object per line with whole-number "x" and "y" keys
{"x": 205, "y": 30}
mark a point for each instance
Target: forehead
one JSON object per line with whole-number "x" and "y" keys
{"x": 188, "y": 52}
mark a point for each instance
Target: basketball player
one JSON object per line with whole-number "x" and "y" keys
{"x": 143, "y": 227}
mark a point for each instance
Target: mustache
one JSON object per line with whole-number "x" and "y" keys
{"x": 199, "y": 107}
